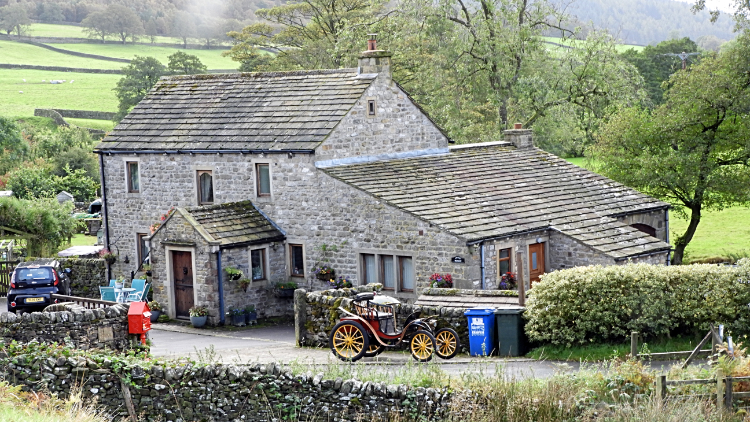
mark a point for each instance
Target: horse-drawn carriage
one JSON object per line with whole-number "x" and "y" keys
{"x": 372, "y": 328}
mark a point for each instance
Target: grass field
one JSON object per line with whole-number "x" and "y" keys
{"x": 211, "y": 58}
{"x": 92, "y": 124}
{"x": 71, "y": 31}
{"x": 88, "y": 92}
{"x": 620, "y": 47}
{"x": 719, "y": 232}
{"x": 602, "y": 351}
{"x": 17, "y": 53}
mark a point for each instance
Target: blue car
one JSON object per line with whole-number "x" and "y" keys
{"x": 32, "y": 283}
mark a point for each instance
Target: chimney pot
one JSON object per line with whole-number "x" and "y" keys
{"x": 518, "y": 126}
{"x": 372, "y": 43}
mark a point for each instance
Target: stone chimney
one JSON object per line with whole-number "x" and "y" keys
{"x": 374, "y": 60}
{"x": 519, "y": 137}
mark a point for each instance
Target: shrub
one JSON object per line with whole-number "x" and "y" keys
{"x": 49, "y": 223}
{"x": 598, "y": 304}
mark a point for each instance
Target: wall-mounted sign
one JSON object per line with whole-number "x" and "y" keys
{"x": 457, "y": 260}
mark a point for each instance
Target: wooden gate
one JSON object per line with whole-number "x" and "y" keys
{"x": 6, "y": 269}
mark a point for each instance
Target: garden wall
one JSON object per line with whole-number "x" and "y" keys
{"x": 74, "y": 325}
{"x": 60, "y": 68}
{"x": 316, "y": 313}
{"x": 86, "y": 275}
{"x": 186, "y": 391}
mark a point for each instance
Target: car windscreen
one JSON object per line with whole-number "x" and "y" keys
{"x": 29, "y": 275}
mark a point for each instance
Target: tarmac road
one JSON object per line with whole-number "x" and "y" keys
{"x": 276, "y": 344}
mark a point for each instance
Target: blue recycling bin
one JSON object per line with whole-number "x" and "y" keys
{"x": 481, "y": 331}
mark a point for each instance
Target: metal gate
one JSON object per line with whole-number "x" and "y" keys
{"x": 6, "y": 269}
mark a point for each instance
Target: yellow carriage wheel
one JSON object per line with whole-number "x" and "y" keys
{"x": 446, "y": 340}
{"x": 422, "y": 346}
{"x": 348, "y": 341}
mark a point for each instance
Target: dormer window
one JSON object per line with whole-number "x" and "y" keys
{"x": 371, "y": 107}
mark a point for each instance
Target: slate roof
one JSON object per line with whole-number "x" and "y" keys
{"x": 234, "y": 223}
{"x": 272, "y": 111}
{"x": 496, "y": 191}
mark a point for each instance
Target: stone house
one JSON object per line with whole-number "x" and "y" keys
{"x": 351, "y": 173}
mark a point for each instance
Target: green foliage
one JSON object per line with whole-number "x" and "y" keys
{"x": 599, "y": 304}
{"x": 14, "y": 19}
{"x": 116, "y": 20}
{"x": 185, "y": 64}
{"x": 34, "y": 180}
{"x": 140, "y": 76}
{"x": 49, "y": 222}
{"x": 657, "y": 63}
{"x": 693, "y": 150}
{"x": 14, "y": 148}
{"x": 76, "y": 158}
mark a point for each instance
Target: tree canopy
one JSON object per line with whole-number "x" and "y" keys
{"x": 50, "y": 223}
{"x": 13, "y": 18}
{"x": 140, "y": 76}
{"x": 185, "y": 64}
{"x": 117, "y": 20}
{"x": 693, "y": 150}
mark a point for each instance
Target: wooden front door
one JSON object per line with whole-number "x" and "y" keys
{"x": 536, "y": 262}
{"x": 182, "y": 274}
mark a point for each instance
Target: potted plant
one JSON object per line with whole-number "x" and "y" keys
{"x": 156, "y": 310}
{"x": 285, "y": 289}
{"x": 198, "y": 316}
{"x": 237, "y": 315}
{"x": 147, "y": 269}
{"x": 250, "y": 315}
{"x": 507, "y": 281}
{"x": 108, "y": 256}
{"x": 324, "y": 272}
{"x": 244, "y": 283}
{"x": 441, "y": 281}
{"x": 233, "y": 273}
{"x": 340, "y": 283}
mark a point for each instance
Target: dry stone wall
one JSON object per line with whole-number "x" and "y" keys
{"x": 169, "y": 391}
{"x": 70, "y": 324}
{"x": 86, "y": 275}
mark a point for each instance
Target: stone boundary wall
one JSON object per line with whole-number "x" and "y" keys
{"x": 86, "y": 275}
{"x": 60, "y": 68}
{"x": 316, "y": 313}
{"x": 85, "y": 114}
{"x": 52, "y": 114}
{"x": 73, "y": 40}
{"x": 70, "y": 324}
{"x": 187, "y": 392}
{"x": 75, "y": 53}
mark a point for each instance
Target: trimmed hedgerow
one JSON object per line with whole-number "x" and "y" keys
{"x": 599, "y": 304}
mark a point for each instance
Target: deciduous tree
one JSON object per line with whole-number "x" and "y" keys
{"x": 185, "y": 64}
{"x": 694, "y": 150}
{"x": 183, "y": 27}
{"x": 140, "y": 76}
{"x": 13, "y": 18}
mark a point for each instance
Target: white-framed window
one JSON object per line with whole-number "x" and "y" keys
{"x": 263, "y": 179}
{"x": 205, "y": 187}
{"x": 296, "y": 260}
{"x": 406, "y": 273}
{"x": 133, "y": 177}
{"x": 395, "y": 272}
{"x": 258, "y": 264}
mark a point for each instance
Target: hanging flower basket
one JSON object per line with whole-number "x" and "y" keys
{"x": 324, "y": 273}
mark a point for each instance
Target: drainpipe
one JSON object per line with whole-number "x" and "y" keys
{"x": 666, "y": 234}
{"x": 481, "y": 258}
{"x": 105, "y": 214}
{"x": 221, "y": 288}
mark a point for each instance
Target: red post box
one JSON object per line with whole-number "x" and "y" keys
{"x": 139, "y": 319}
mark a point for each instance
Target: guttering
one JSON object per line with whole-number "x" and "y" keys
{"x": 625, "y": 258}
{"x": 481, "y": 267}
{"x": 204, "y": 151}
{"x": 221, "y": 288}
{"x": 666, "y": 234}
{"x": 104, "y": 210}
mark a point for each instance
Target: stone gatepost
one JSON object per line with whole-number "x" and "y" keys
{"x": 300, "y": 316}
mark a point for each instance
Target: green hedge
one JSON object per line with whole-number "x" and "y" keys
{"x": 599, "y": 304}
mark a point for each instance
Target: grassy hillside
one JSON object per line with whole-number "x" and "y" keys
{"x": 88, "y": 91}
{"x": 70, "y": 31}
{"x": 211, "y": 58}
{"x": 18, "y": 53}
